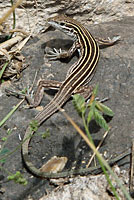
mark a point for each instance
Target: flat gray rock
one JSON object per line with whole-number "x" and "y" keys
{"x": 115, "y": 75}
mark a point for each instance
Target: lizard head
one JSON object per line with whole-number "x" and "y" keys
{"x": 64, "y": 24}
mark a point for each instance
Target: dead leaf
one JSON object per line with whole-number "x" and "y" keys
{"x": 54, "y": 165}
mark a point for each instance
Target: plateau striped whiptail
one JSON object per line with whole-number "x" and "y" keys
{"x": 77, "y": 77}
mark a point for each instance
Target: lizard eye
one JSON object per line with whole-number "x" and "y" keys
{"x": 62, "y": 24}
{"x": 71, "y": 30}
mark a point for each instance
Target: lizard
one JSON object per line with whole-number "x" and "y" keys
{"x": 76, "y": 81}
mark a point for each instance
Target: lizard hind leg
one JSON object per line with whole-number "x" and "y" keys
{"x": 84, "y": 91}
{"x": 52, "y": 84}
{"x": 107, "y": 42}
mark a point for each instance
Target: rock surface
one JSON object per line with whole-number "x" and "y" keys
{"x": 94, "y": 11}
{"x": 115, "y": 75}
{"x": 91, "y": 187}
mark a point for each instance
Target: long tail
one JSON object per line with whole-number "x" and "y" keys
{"x": 49, "y": 110}
{"x": 81, "y": 171}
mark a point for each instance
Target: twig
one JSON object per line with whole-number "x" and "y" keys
{"x": 9, "y": 43}
{"x": 97, "y": 148}
{"x": 131, "y": 181}
{"x": 14, "y": 21}
{"x": 33, "y": 82}
{"x": 20, "y": 31}
{"x": 10, "y": 11}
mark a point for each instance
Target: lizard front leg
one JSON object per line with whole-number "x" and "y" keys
{"x": 61, "y": 54}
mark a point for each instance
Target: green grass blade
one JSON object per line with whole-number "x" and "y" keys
{"x": 10, "y": 113}
{"x": 3, "y": 69}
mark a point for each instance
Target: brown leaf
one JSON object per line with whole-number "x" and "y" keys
{"x": 54, "y": 165}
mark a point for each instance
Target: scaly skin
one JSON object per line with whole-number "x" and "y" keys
{"x": 79, "y": 74}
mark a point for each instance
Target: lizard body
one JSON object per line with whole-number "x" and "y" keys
{"x": 78, "y": 75}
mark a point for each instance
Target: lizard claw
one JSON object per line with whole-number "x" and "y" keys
{"x": 114, "y": 39}
{"x": 54, "y": 55}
